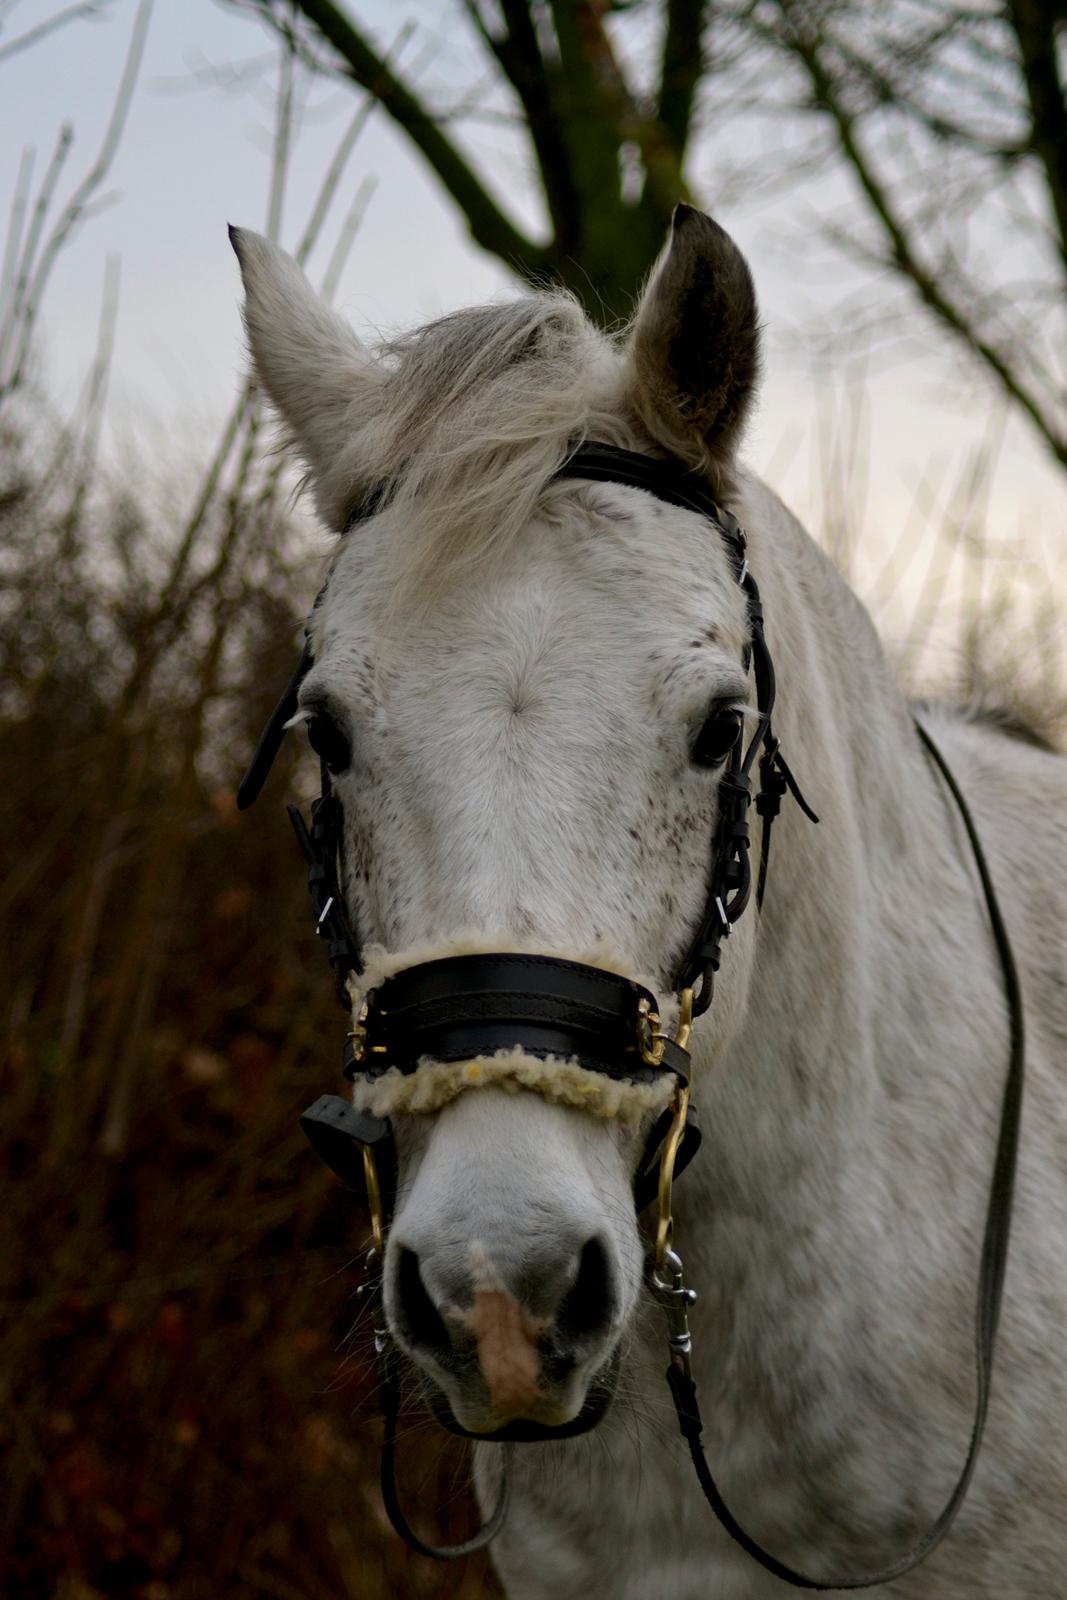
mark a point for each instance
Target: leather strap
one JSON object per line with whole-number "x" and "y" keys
{"x": 990, "y": 1279}
{"x": 667, "y": 480}
{"x": 322, "y": 847}
{"x": 270, "y": 740}
{"x": 646, "y": 1178}
{"x": 389, "y": 1395}
{"x": 472, "y": 1005}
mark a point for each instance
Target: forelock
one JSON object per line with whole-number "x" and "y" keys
{"x": 474, "y": 414}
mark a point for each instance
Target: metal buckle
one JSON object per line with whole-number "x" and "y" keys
{"x": 358, "y": 1035}
{"x": 667, "y": 1283}
{"x": 374, "y": 1200}
{"x": 664, "y": 1218}
{"x": 650, "y": 1042}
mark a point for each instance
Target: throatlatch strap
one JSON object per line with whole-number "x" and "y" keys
{"x": 990, "y": 1280}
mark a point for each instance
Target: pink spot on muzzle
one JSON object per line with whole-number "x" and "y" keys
{"x": 506, "y": 1336}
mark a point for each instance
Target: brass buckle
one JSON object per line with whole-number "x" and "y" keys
{"x": 358, "y": 1035}
{"x": 374, "y": 1200}
{"x": 360, "y": 1052}
{"x": 664, "y": 1218}
{"x": 650, "y": 1042}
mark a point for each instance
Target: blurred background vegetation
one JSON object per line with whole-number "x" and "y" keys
{"x": 188, "y": 1390}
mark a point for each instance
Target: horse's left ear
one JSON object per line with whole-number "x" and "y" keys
{"x": 695, "y": 347}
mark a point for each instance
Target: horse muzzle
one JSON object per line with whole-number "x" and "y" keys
{"x": 511, "y": 1311}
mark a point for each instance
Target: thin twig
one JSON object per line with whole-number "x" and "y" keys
{"x": 76, "y": 208}
{"x": 96, "y": 394}
{"x": 334, "y": 173}
{"x": 15, "y": 315}
{"x": 283, "y": 128}
{"x": 87, "y": 8}
{"x": 345, "y": 239}
{"x": 19, "y": 202}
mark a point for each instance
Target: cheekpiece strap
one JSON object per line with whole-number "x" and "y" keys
{"x": 270, "y": 740}
{"x": 463, "y": 1007}
{"x": 729, "y": 887}
{"x": 321, "y": 844}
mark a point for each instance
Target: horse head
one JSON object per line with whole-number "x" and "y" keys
{"x": 524, "y": 690}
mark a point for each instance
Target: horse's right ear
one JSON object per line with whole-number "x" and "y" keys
{"x": 307, "y": 358}
{"x": 694, "y": 352}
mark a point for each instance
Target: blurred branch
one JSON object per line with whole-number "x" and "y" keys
{"x": 178, "y": 593}
{"x": 335, "y": 171}
{"x": 283, "y": 128}
{"x": 969, "y": 511}
{"x": 16, "y": 313}
{"x": 87, "y": 8}
{"x": 897, "y": 93}
{"x": 488, "y": 224}
{"x": 1037, "y": 33}
{"x": 19, "y": 201}
{"x": 682, "y": 67}
{"x": 76, "y": 209}
{"x": 96, "y": 393}
{"x": 346, "y": 238}
{"x": 517, "y": 50}
{"x": 903, "y": 254}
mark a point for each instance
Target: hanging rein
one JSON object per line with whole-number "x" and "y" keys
{"x": 462, "y": 1007}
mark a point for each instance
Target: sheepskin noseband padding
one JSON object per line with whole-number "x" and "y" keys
{"x": 434, "y": 1083}
{"x": 560, "y": 1079}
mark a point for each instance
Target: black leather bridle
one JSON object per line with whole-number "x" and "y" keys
{"x": 460, "y": 1007}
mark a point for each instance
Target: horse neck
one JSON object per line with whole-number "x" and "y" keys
{"x": 857, "y": 977}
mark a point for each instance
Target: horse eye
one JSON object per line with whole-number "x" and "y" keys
{"x": 717, "y": 737}
{"x": 327, "y": 741}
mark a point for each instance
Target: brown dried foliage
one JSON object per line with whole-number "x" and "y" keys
{"x": 190, "y": 1390}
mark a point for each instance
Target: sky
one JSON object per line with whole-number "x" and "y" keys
{"x": 195, "y": 156}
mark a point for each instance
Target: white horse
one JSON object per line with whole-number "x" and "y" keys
{"x": 510, "y": 671}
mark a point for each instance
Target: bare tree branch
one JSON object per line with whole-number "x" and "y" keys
{"x": 87, "y": 8}
{"x": 518, "y": 52}
{"x": 77, "y": 208}
{"x": 682, "y": 66}
{"x": 333, "y": 175}
{"x": 96, "y": 394}
{"x": 18, "y": 300}
{"x": 19, "y": 201}
{"x": 1035, "y": 28}
{"x": 903, "y": 254}
{"x": 488, "y": 224}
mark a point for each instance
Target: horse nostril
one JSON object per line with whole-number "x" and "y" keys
{"x": 420, "y": 1321}
{"x": 587, "y": 1310}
